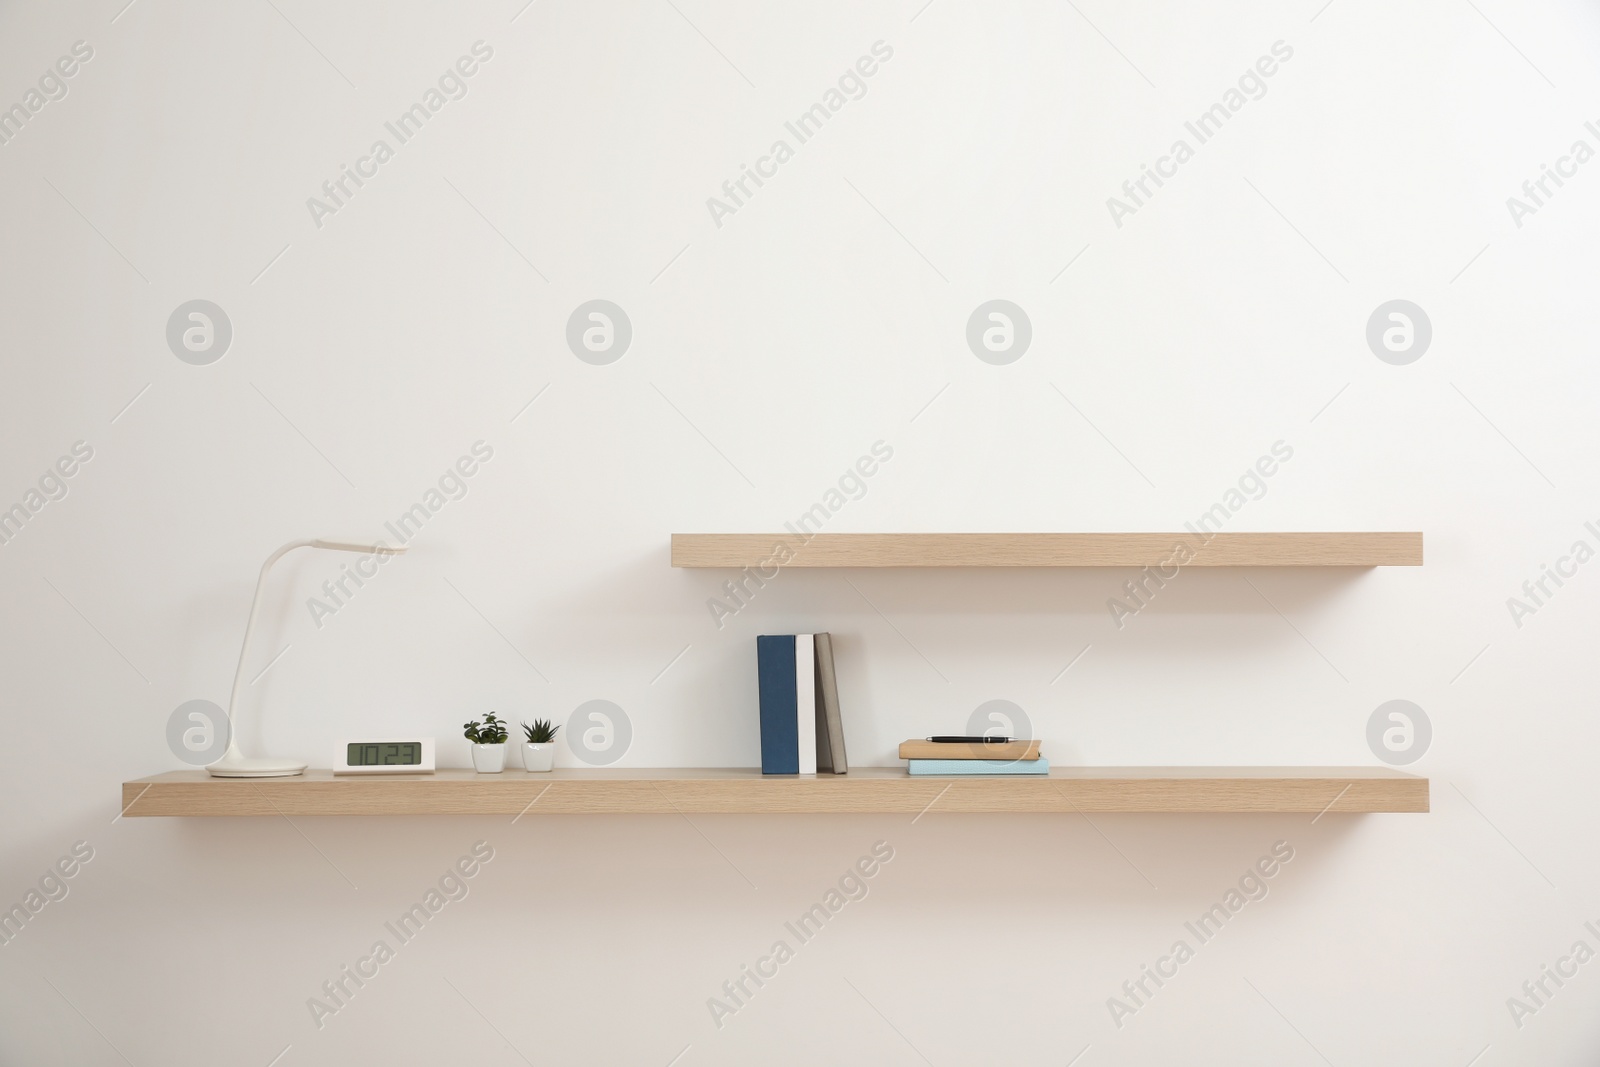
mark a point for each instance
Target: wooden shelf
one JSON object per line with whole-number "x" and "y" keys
{"x": 883, "y": 790}
{"x": 1350, "y": 549}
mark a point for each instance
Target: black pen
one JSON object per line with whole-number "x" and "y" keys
{"x": 944, "y": 739}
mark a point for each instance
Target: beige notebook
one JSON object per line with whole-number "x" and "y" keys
{"x": 916, "y": 748}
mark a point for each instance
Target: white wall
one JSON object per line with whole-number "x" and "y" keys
{"x": 1228, "y": 313}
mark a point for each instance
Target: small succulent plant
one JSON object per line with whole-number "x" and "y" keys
{"x": 491, "y": 731}
{"x": 540, "y": 733}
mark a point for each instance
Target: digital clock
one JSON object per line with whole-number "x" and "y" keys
{"x": 399, "y": 755}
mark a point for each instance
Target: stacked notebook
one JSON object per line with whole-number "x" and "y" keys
{"x": 947, "y": 757}
{"x": 800, "y": 728}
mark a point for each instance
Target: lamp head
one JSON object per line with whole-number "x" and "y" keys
{"x": 346, "y": 546}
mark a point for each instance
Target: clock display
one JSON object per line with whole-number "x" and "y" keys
{"x": 384, "y": 754}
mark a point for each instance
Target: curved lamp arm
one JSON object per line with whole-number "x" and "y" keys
{"x": 233, "y": 764}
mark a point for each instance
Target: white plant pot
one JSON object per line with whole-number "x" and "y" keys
{"x": 489, "y": 759}
{"x": 540, "y": 757}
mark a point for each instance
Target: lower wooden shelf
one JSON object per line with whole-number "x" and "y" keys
{"x": 736, "y": 791}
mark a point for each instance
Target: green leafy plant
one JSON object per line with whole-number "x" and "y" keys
{"x": 491, "y": 731}
{"x": 540, "y": 733}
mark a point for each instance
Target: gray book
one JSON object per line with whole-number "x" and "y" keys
{"x": 830, "y": 730}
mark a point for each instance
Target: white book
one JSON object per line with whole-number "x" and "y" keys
{"x": 805, "y": 677}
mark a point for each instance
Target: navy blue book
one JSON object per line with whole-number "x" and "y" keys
{"x": 780, "y": 703}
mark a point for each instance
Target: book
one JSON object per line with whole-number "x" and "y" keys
{"x": 917, "y": 748}
{"x": 779, "y": 696}
{"x": 978, "y": 767}
{"x": 830, "y": 728}
{"x": 801, "y": 729}
{"x": 805, "y": 676}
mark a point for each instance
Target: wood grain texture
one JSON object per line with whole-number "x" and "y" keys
{"x": 1349, "y": 549}
{"x": 673, "y": 791}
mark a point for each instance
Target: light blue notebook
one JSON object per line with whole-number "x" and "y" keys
{"x": 985, "y": 767}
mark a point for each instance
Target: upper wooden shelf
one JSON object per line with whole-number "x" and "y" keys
{"x": 881, "y": 790}
{"x": 1349, "y": 549}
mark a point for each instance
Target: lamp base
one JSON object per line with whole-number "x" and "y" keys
{"x": 255, "y": 768}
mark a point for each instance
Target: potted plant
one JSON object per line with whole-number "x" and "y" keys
{"x": 488, "y": 744}
{"x": 539, "y": 750}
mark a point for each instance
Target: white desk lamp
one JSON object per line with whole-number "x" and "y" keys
{"x": 233, "y": 764}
